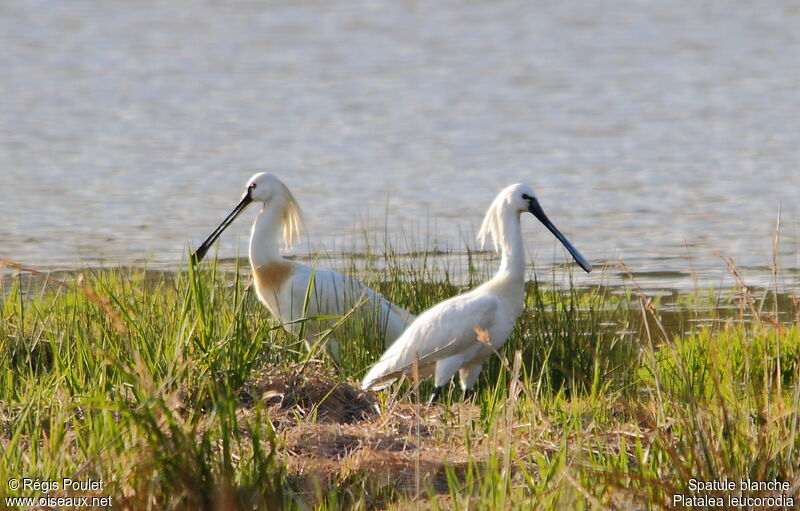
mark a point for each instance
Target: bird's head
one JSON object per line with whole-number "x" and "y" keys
{"x": 264, "y": 187}
{"x": 517, "y": 197}
{"x": 269, "y": 190}
{"x": 520, "y": 198}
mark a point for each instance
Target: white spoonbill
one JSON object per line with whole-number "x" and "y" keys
{"x": 282, "y": 285}
{"x": 444, "y": 338}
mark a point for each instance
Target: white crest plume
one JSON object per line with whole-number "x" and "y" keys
{"x": 292, "y": 217}
{"x": 492, "y": 223}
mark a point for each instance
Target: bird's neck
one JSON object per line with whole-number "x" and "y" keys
{"x": 512, "y": 264}
{"x": 265, "y": 236}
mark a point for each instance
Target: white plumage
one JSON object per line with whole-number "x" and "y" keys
{"x": 445, "y": 338}
{"x": 282, "y": 285}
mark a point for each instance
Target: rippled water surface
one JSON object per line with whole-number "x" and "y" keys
{"x": 661, "y": 133}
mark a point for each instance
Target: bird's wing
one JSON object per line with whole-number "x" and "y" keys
{"x": 392, "y": 318}
{"x": 440, "y": 332}
{"x": 336, "y": 294}
{"x": 332, "y": 294}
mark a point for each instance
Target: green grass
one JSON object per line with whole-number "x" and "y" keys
{"x": 601, "y": 398}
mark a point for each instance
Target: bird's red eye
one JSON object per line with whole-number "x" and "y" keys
{"x": 252, "y": 186}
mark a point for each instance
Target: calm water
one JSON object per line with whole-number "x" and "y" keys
{"x": 661, "y": 133}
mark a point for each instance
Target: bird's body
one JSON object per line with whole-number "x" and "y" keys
{"x": 460, "y": 333}
{"x": 444, "y": 339}
{"x": 283, "y": 285}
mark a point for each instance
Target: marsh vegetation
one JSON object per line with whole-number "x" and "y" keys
{"x": 179, "y": 391}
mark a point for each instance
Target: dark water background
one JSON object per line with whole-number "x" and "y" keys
{"x": 662, "y": 133}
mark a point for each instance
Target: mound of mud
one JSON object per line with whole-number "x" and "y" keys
{"x": 311, "y": 394}
{"x": 335, "y": 442}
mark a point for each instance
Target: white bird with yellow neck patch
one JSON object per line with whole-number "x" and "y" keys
{"x": 282, "y": 285}
{"x": 452, "y": 335}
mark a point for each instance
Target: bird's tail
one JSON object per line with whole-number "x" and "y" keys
{"x": 398, "y": 361}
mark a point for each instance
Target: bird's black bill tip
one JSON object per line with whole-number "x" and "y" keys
{"x": 537, "y": 211}
{"x": 201, "y": 251}
{"x": 586, "y": 265}
{"x": 198, "y": 255}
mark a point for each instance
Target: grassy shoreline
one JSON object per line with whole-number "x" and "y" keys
{"x": 180, "y": 392}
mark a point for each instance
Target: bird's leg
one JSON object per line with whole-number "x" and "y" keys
{"x": 435, "y": 395}
{"x": 469, "y": 394}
